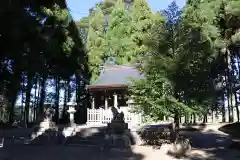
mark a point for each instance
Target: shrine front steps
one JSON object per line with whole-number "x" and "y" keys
{"x": 97, "y": 139}
{"x": 87, "y": 137}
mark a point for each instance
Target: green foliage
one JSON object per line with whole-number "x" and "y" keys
{"x": 186, "y": 56}
{"x": 182, "y": 51}
{"x": 117, "y": 42}
{"x": 95, "y": 40}
{"x": 46, "y": 44}
{"x": 177, "y": 72}
{"x": 57, "y": 12}
{"x": 142, "y": 23}
{"x": 107, "y": 6}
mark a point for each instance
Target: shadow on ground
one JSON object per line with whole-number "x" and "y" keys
{"x": 232, "y": 129}
{"x": 206, "y": 142}
{"x": 84, "y": 143}
{"x": 211, "y": 144}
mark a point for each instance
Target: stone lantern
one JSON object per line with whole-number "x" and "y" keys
{"x": 71, "y": 110}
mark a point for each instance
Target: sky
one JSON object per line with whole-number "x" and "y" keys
{"x": 79, "y": 8}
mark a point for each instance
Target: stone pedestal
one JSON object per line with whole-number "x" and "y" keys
{"x": 119, "y": 134}
{"x": 117, "y": 126}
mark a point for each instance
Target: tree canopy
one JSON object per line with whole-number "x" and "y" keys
{"x": 188, "y": 55}
{"x": 39, "y": 40}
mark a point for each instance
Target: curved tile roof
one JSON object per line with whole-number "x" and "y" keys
{"x": 117, "y": 75}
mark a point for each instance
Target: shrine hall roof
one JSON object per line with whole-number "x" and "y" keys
{"x": 117, "y": 75}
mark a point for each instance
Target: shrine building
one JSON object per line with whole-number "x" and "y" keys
{"x": 110, "y": 89}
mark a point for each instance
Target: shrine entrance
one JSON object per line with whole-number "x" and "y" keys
{"x": 109, "y": 92}
{"x": 108, "y": 96}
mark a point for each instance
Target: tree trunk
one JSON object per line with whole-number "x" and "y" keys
{"x": 191, "y": 118}
{"x": 194, "y": 118}
{"x": 57, "y": 91}
{"x": 13, "y": 88}
{"x": 35, "y": 98}
{"x": 28, "y": 97}
{"x": 69, "y": 90}
{"x": 77, "y": 88}
{"x": 63, "y": 117}
{"x": 236, "y": 105}
{"x": 23, "y": 98}
{"x": 213, "y": 116}
{"x": 236, "y": 99}
{"x": 223, "y": 110}
{"x": 229, "y": 86}
{"x": 22, "y": 106}
{"x": 39, "y": 93}
{"x": 176, "y": 119}
{"x": 65, "y": 94}
{"x": 231, "y": 104}
{"x": 228, "y": 100}
{"x": 186, "y": 118}
{"x": 205, "y": 118}
{"x": 42, "y": 97}
{"x": 35, "y": 91}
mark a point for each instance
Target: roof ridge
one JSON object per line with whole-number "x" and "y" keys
{"x": 120, "y": 65}
{"x": 115, "y": 67}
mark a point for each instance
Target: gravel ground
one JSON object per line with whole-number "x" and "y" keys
{"x": 86, "y": 153}
{"x": 207, "y": 145}
{"x": 64, "y": 153}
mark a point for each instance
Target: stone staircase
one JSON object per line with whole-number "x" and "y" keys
{"x": 93, "y": 137}
{"x": 82, "y": 136}
{"x": 96, "y": 140}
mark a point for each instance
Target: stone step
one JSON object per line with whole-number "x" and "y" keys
{"x": 87, "y": 142}
{"x": 97, "y": 141}
{"x": 98, "y": 134}
{"x": 90, "y": 140}
{"x": 87, "y": 145}
{"x": 118, "y": 144}
{"x": 44, "y": 139}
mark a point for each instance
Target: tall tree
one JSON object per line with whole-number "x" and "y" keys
{"x": 118, "y": 43}
{"x": 46, "y": 43}
{"x": 94, "y": 42}
{"x": 177, "y": 74}
{"x": 142, "y": 22}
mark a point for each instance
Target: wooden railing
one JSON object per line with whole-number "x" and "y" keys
{"x": 102, "y": 116}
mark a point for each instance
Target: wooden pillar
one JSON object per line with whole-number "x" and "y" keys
{"x": 106, "y": 102}
{"x": 213, "y": 117}
{"x": 93, "y": 102}
{"x": 115, "y": 100}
